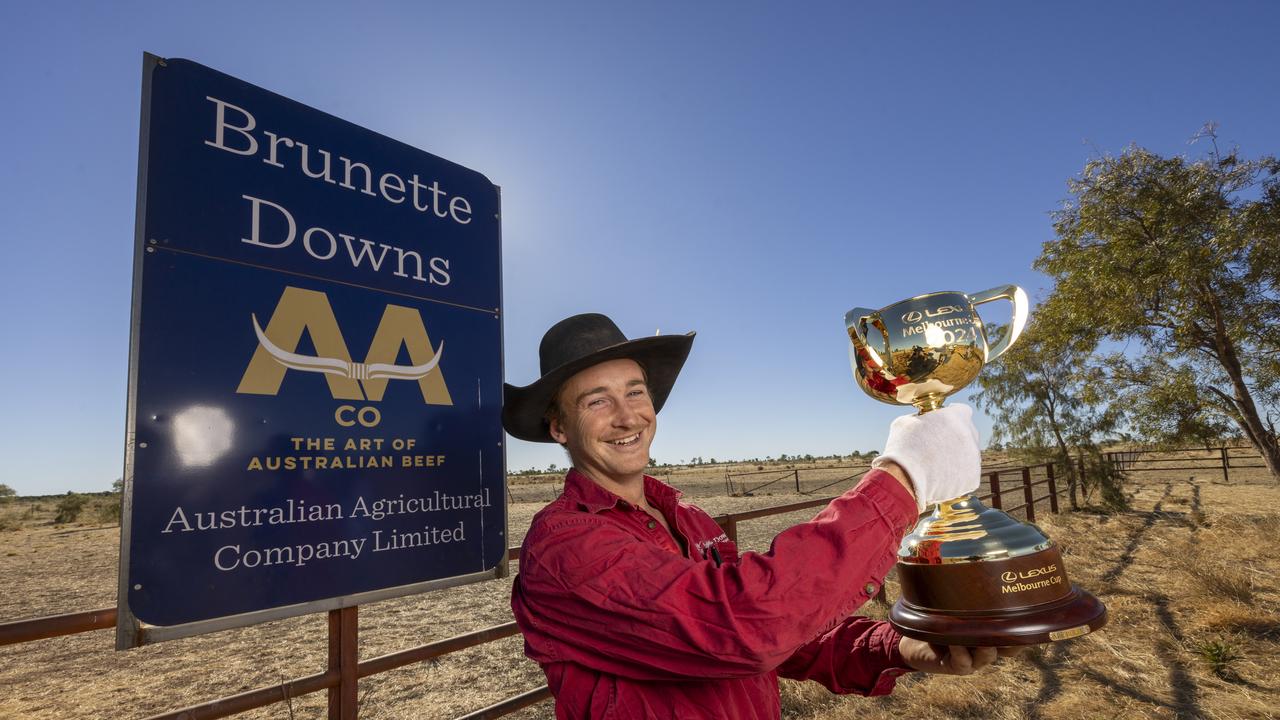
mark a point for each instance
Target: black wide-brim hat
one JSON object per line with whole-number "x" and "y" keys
{"x": 577, "y": 343}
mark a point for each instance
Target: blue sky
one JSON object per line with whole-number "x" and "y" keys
{"x": 746, "y": 170}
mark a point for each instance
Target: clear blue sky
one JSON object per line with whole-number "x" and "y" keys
{"x": 748, "y": 170}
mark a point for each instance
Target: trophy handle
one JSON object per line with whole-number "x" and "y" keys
{"x": 854, "y": 321}
{"x": 1018, "y": 297}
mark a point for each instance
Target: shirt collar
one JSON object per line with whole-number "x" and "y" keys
{"x": 592, "y": 497}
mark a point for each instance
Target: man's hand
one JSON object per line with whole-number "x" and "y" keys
{"x": 950, "y": 659}
{"x": 938, "y": 450}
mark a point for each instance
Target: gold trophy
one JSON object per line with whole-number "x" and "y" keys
{"x": 970, "y": 575}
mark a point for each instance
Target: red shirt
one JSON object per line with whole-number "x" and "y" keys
{"x": 627, "y": 625}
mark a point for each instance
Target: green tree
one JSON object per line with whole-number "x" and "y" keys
{"x": 1180, "y": 258}
{"x": 6, "y": 491}
{"x": 1166, "y": 404}
{"x": 1043, "y": 393}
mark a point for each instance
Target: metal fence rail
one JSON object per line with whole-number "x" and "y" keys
{"x": 837, "y": 481}
{"x": 511, "y": 704}
{"x": 19, "y": 631}
{"x": 1214, "y": 458}
{"x": 785, "y": 474}
{"x": 345, "y": 669}
{"x": 737, "y": 486}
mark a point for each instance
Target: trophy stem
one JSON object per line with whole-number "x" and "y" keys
{"x": 932, "y": 401}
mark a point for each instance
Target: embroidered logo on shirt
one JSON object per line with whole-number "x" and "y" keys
{"x": 702, "y": 545}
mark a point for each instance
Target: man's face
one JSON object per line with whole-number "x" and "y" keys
{"x": 607, "y": 420}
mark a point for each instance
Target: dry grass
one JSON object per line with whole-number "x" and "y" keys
{"x": 1180, "y": 643}
{"x": 1190, "y": 578}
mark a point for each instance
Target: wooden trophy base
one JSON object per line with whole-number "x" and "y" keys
{"x": 1076, "y": 614}
{"x": 972, "y": 575}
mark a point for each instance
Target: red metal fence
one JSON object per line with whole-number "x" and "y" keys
{"x": 345, "y": 668}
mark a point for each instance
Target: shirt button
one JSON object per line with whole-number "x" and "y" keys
{"x": 869, "y": 588}
{"x": 652, "y": 524}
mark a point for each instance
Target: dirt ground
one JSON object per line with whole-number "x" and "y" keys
{"x": 1190, "y": 576}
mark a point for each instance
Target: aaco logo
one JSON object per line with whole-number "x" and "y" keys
{"x": 308, "y": 310}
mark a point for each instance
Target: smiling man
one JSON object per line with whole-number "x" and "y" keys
{"x": 637, "y": 605}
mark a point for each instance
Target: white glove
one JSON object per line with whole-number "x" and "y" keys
{"x": 939, "y": 450}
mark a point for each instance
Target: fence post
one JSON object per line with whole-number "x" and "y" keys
{"x": 797, "y": 471}
{"x": 731, "y": 529}
{"x": 1026, "y": 493}
{"x": 1226, "y": 463}
{"x": 1053, "y": 489}
{"x": 993, "y": 478}
{"x": 343, "y": 657}
{"x": 1072, "y": 479}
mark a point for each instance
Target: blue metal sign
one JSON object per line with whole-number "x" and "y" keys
{"x": 315, "y": 375}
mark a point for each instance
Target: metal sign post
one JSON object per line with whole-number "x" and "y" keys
{"x": 315, "y": 366}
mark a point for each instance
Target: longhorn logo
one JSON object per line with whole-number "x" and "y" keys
{"x": 336, "y": 366}
{"x": 400, "y": 330}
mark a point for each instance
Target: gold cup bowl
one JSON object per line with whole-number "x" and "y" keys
{"x": 970, "y": 574}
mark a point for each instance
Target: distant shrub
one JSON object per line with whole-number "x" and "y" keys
{"x": 109, "y": 512}
{"x": 69, "y": 508}
{"x": 1111, "y": 488}
{"x": 1102, "y": 480}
